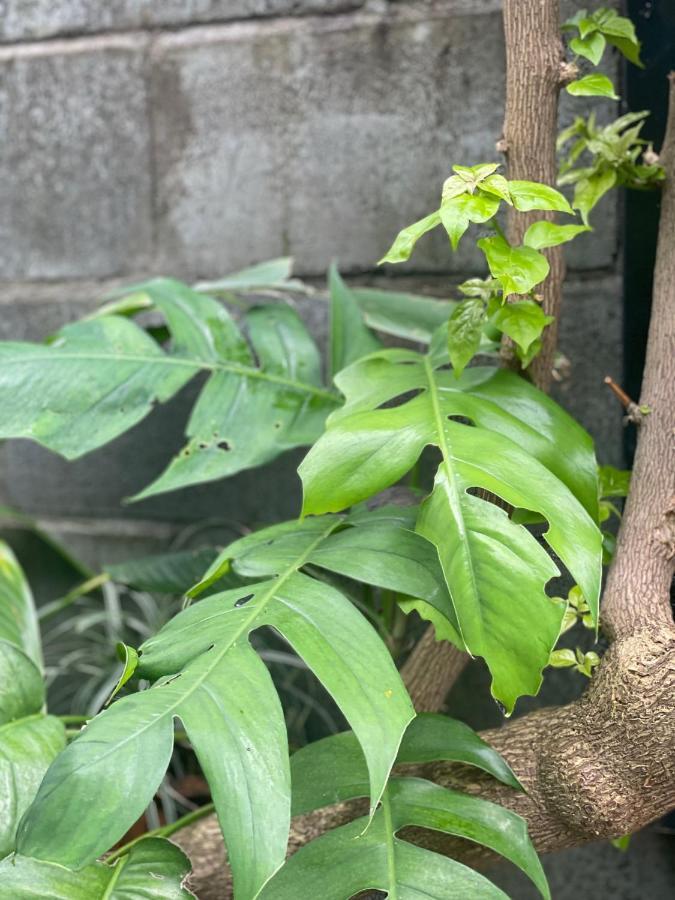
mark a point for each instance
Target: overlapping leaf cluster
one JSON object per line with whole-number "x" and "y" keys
{"x": 30, "y": 740}
{"x": 371, "y": 855}
{"x": 614, "y": 152}
{"x": 494, "y": 433}
{"x": 594, "y": 31}
{"x": 474, "y": 194}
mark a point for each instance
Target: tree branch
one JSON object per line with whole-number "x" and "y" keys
{"x": 604, "y": 765}
{"x": 638, "y": 587}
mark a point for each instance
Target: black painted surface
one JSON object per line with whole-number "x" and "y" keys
{"x": 644, "y": 89}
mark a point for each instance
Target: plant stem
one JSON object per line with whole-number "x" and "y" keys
{"x": 87, "y": 587}
{"x": 74, "y": 720}
{"x": 164, "y": 831}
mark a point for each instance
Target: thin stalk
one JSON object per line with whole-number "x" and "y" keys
{"x": 87, "y": 587}
{"x": 164, "y": 831}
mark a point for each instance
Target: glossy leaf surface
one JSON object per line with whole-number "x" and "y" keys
{"x": 514, "y": 451}
{"x": 210, "y": 677}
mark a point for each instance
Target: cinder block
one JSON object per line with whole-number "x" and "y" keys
{"x": 591, "y": 338}
{"x": 319, "y": 137}
{"x": 31, "y": 19}
{"x": 75, "y": 189}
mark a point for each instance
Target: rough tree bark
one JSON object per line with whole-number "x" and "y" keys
{"x": 535, "y": 71}
{"x": 604, "y": 765}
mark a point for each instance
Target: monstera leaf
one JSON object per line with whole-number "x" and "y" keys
{"x": 153, "y": 868}
{"x": 99, "y": 377}
{"x": 29, "y": 739}
{"x": 209, "y": 676}
{"x": 495, "y": 433}
{"x": 359, "y": 856}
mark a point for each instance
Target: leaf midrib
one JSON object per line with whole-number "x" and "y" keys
{"x": 452, "y": 493}
{"x": 275, "y": 584}
{"x": 196, "y": 364}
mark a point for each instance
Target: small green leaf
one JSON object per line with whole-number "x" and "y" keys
{"x": 518, "y": 269}
{"x": 473, "y": 175}
{"x": 497, "y": 185}
{"x": 522, "y": 320}
{"x": 458, "y": 213}
{"x": 526, "y": 356}
{"x": 529, "y": 195}
{"x": 595, "y": 85}
{"x": 465, "y": 327}
{"x": 620, "y": 32}
{"x": 621, "y": 843}
{"x": 591, "y": 47}
{"x": 350, "y": 338}
{"x": 453, "y": 187}
{"x": 573, "y": 22}
{"x": 273, "y": 273}
{"x": 629, "y": 48}
{"x": 589, "y": 190}
{"x": 547, "y": 234}
{"x": 587, "y": 26}
{"x": 613, "y": 482}
{"x": 563, "y": 659}
{"x": 23, "y": 689}
{"x": 406, "y": 239}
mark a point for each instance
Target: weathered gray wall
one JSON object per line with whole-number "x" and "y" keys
{"x": 194, "y": 138}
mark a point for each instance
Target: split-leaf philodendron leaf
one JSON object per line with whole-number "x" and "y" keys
{"x": 352, "y": 858}
{"x": 99, "y": 377}
{"x": 522, "y": 448}
{"x": 209, "y": 676}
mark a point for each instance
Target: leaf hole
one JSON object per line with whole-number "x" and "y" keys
{"x": 242, "y": 601}
{"x": 223, "y": 445}
{"x": 400, "y": 399}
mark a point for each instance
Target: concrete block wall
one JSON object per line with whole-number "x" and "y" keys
{"x": 190, "y": 139}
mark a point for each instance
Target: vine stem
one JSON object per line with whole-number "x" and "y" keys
{"x": 164, "y": 831}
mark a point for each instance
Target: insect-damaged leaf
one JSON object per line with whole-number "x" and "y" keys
{"x": 100, "y": 377}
